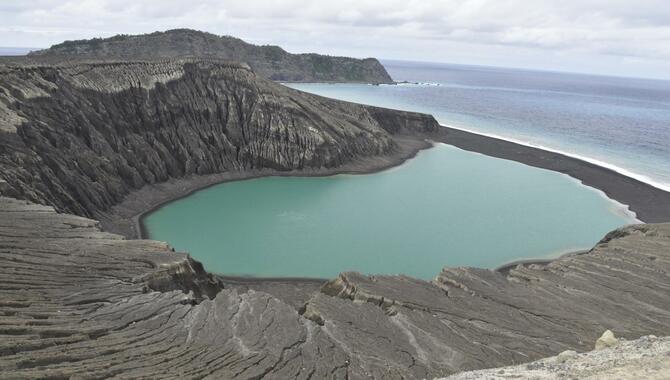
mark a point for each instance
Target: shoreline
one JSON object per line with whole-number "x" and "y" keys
{"x": 648, "y": 203}
{"x": 127, "y": 217}
{"x": 622, "y": 171}
{"x": 620, "y": 209}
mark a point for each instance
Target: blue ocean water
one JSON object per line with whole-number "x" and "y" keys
{"x": 620, "y": 123}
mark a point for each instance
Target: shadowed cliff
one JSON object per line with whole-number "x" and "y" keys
{"x": 80, "y": 137}
{"x": 271, "y": 62}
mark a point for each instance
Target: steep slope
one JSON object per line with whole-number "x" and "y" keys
{"x": 80, "y": 137}
{"x": 268, "y": 61}
{"x": 76, "y": 301}
{"x": 79, "y": 302}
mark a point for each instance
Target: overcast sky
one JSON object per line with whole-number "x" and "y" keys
{"x": 617, "y": 37}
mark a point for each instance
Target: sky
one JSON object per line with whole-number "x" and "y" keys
{"x": 610, "y": 37}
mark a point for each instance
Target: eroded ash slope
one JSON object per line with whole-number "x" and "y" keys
{"x": 76, "y": 301}
{"x": 81, "y": 136}
{"x": 79, "y": 301}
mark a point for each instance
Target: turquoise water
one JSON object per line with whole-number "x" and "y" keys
{"x": 444, "y": 207}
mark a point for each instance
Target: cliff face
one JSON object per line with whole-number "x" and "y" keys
{"x": 76, "y": 301}
{"x": 79, "y": 302}
{"x": 268, "y": 61}
{"x": 80, "y": 137}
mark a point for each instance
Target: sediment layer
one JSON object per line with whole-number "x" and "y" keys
{"x": 80, "y": 137}
{"x": 77, "y": 301}
{"x": 270, "y": 62}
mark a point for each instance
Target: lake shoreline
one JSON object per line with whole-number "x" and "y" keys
{"x": 127, "y": 217}
{"x": 650, "y": 204}
{"x": 505, "y": 268}
{"x": 641, "y": 198}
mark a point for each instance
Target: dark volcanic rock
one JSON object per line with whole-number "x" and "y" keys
{"x": 76, "y": 301}
{"x": 79, "y": 302}
{"x": 271, "y": 62}
{"x": 80, "y": 137}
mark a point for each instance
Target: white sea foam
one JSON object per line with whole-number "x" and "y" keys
{"x": 620, "y": 209}
{"x": 418, "y": 84}
{"x": 640, "y": 177}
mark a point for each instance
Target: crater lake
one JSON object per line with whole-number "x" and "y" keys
{"x": 445, "y": 207}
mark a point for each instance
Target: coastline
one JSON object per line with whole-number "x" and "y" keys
{"x": 625, "y": 172}
{"x": 648, "y": 203}
{"x": 127, "y": 217}
{"x": 505, "y": 268}
{"x": 618, "y": 207}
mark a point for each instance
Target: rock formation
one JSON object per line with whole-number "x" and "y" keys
{"x": 81, "y": 136}
{"x": 79, "y": 302}
{"x": 271, "y": 62}
{"x": 645, "y": 358}
{"x": 606, "y": 340}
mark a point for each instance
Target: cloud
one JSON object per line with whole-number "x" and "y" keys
{"x": 636, "y": 30}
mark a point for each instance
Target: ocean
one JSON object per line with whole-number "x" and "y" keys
{"x": 619, "y": 123}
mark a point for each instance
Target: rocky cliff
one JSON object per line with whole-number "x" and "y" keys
{"x": 80, "y": 137}
{"x": 79, "y": 302}
{"x": 268, "y": 61}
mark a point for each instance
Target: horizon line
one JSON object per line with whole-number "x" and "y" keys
{"x": 516, "y": 68}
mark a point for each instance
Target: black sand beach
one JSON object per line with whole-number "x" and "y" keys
{"x": 652, "y": 205}
{"x": 126, "y": 217}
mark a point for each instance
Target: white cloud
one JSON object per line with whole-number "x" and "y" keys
{"x": 616, "y": 34}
